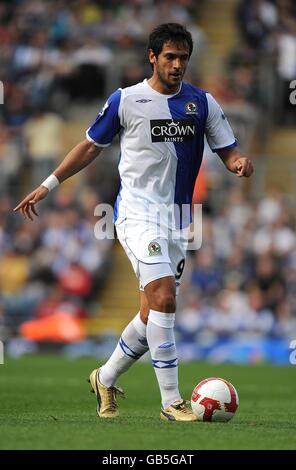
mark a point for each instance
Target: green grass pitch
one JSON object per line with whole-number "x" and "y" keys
{"x": 46, "y": 404}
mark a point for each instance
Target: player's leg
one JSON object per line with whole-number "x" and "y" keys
{"x": 160, "y": 336}
{"x": 161, "y": 296}
{"x": 130, "y": 347}
{"x": 144, "y": 309}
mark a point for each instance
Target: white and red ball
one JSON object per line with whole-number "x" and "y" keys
{"x": 214, "y": 399}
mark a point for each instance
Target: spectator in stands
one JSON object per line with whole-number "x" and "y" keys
{"x": 43, "y": 136}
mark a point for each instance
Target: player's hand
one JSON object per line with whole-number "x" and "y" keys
{"x": 27, "y": 205}
{"x": 243, "y": 167}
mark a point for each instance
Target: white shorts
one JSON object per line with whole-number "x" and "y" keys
{"x": 163, "y": 253}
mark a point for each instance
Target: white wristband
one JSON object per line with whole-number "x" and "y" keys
{"x": 51, "y": 182}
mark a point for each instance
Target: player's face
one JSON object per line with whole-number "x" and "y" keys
{"x": 170, "y": 65}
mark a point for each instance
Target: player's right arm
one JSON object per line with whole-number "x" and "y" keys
{"x": 77, "y": 159}
{"x": 98, "y": 136}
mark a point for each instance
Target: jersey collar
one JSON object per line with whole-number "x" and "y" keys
{"x": 145, "y": 81}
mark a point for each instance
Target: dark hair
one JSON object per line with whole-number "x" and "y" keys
{"x": 169, "y": 32}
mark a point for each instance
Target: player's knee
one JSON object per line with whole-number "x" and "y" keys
{"x": 144, "y": 313}
{"x": 164, "y": 302}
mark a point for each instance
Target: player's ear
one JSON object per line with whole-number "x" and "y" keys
{"x": 152, "y": 57}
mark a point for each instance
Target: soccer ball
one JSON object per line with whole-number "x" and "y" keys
{"x": 214, "y": 399}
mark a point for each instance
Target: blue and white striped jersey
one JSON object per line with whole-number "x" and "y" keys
{"x": 162, "y": 143}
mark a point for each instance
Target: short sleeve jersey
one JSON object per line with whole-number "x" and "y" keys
{"x": 161, "y": 143}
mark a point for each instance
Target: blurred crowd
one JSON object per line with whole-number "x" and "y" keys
{"x": 268, "y": 29}
{"x": 57, "y": 53}
{"x": 259, "y": 70}
{"x": 243, "y": 279}
{"x": 53, "y": 266}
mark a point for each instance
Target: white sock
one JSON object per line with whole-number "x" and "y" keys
{"x": 161, "y": 341}
{"x": 130, "y": 347}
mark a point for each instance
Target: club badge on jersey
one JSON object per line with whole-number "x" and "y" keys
{"x": 191, "y": 108}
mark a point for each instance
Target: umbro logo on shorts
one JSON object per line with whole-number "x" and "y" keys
{"x": 168, "y": 130}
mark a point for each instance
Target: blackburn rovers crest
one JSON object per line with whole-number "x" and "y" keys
{"x": 191, "y": 108}
{"x": 154, "y": 249}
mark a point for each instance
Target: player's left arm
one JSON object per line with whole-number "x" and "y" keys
{"x": 236, "y": 162}
{"x": 222, "y": 141}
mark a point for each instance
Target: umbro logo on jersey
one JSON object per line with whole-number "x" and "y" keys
{"x": 163, "y": 130}
{"x": 143, "y": 100}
